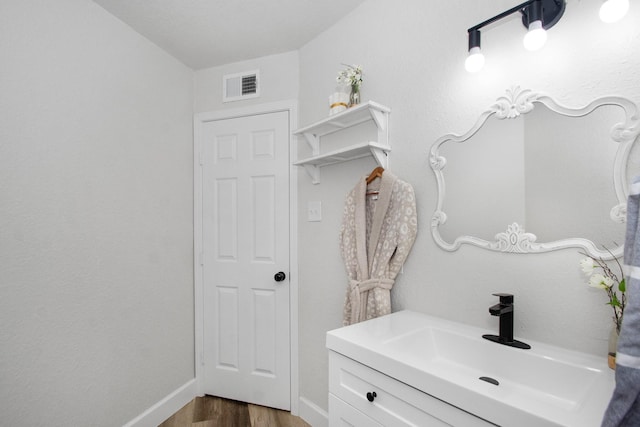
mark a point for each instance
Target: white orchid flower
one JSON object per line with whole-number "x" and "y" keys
{"x": 352, "y": 75}
{"x": 587, "y": 266}
{"x": 608, "y": 281}
{"x": 600, "y": 282}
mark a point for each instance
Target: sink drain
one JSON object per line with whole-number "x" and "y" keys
{"x": 490, "y": 380}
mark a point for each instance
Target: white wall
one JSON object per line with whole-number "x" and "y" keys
{"x": 96, "y": 235}
{"x": 413, "y": 59}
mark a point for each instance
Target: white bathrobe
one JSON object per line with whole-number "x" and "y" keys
{"x": 376, "y": 236}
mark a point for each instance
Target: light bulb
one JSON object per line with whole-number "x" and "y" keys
{"x": 613, "y": 10}
{"x": 536, "y": 37}
{"x": 475, "y": 60}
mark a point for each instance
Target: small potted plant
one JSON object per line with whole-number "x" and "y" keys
{"x": 352, "y": 76}
{"x": 601, "y": 276}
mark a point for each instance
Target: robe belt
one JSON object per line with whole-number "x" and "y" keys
{"x": 359, "y": 287}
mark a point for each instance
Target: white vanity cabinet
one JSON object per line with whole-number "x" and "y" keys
{"x": 352, "y": 385}
{"x": 428, "y": 371}
{"x": 344, "y": 415}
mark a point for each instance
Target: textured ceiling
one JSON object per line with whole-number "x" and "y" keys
{"x": 206, "y": 33}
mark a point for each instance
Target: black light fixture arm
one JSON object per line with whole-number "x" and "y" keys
{"x": 501, "y": 15}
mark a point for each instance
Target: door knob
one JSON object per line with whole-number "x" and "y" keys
{"x": 279, "y": 276}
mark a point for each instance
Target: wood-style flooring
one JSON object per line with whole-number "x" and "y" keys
{"x": 209, "y": 411}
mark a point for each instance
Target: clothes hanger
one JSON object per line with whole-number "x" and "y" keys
{"x": 376, "y": 173}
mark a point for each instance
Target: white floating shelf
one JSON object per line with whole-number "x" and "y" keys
{"x": 352, "y": 152}
{"x": 370, "y": 111}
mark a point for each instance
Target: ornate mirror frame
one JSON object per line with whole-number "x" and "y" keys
{"x": 515, "y": 240}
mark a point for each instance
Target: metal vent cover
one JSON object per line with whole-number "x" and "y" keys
{"x": 241, "y": 86}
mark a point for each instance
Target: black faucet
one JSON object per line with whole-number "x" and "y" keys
{"x": 505, "y": 311}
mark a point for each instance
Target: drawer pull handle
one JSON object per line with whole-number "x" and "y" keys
{"x": 371, "y": 396}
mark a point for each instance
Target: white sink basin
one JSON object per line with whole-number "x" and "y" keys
{"x": 543, "y": 386}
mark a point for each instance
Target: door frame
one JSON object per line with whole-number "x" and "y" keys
{"x": 200, "y": 119}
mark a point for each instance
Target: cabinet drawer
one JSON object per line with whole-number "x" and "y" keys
{"x": 343, "y": 415}
{"x": 395, "y": 403}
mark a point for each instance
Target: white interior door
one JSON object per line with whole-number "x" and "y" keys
{"x": 246, "y": 244}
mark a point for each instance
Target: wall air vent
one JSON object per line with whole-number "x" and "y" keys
{"x": 241, "y": 86}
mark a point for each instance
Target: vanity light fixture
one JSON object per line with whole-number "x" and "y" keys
{"x": 536, "y": 37}
{"x": 537, "y": 17}
{"x": 475, "y": 60}
{"x": 613, "y": 10}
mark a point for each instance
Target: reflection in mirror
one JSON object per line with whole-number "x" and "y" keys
{"x": 530, "y": 164}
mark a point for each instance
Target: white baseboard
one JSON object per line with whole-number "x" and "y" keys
{"x": 168, "y": 406}
{"x": 312, "y": 413}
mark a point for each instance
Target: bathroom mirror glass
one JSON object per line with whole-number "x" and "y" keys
{"x": 533, "y": 176}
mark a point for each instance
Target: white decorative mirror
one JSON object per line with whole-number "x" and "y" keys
{"x": 532, "y": 164}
